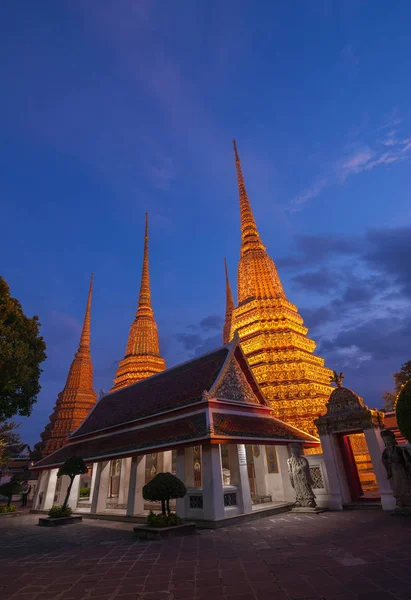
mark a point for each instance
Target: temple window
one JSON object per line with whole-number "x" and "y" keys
{"x": 174, "y": 462}
{"x": 85, "y": 483}
{"x": 272, "y": 462}
{"x": 197, "y": 466}
{"x": 115, "y": 470}
{"x": 225, "y": 464}
{"x": 154, "y": 465}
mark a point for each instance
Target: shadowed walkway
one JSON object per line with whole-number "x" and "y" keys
{"x": 331, "y": 556}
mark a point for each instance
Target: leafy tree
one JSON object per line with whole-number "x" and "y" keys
{"x": 9, "y": 489}
{"x": 8, "y": 439}
{"x": 72, "y": 467}
{"x": 389, "y": 401}
{"x": 162, "y": 488}
{"x": 22, "y": 349}
{"x": 403, "y": 375}
{"x": 400, "y": 378}
{"x": 403, "y": 411}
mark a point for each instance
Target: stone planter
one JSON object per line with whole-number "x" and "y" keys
{"x": 48, "y": 522}
{"x": 143, "y": 532}
{"x": 16, "y": 513}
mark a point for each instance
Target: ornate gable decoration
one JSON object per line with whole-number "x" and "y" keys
{"x": 347, "y": 412}
{"x": 234, "y": 385}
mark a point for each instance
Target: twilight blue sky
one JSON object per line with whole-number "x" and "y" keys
{"x": 113, "y": 108}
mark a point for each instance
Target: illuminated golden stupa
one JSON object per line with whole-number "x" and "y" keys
{"x": 77, "y": 398}
{"x": 142, "y": 358}
{"x": 271, "y": 331}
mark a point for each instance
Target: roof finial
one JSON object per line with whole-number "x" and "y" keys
{"x": 229, "y": 307}
{"x": 250, "y": 238}
{"x": 84, "y": 346}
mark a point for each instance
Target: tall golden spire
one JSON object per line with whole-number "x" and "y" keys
{"x": 144, "y": 300}
{"x": 250, "y": 238}
{"x": 229, "y": 307}
{"x": 142, "y": 358}
{"x": 272, "y": 333}
{"x": 78, "y": 396}
{"x": 84, "y": 345}
{"x": 257, "y": 273}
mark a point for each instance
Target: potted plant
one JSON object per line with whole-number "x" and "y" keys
{"x": 163, "y": 488}
{"x": 62, "y": 515}
{"x": 10, "y": 489}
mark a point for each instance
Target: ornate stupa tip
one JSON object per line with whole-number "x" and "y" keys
{"x": 237, "y": 158}
{"x": 84, "y": 345}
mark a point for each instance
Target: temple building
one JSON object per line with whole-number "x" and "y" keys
{"x": 224, "y": 422}
{"x": 142, "y": 358}
{"x": 272, "y": 333}
{"x": 77, "y": 398}
{"x": 207, "y": 421}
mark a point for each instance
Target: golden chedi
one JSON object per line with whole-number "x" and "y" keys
{"x": 271, "y": 331}
{"x": 142, "y": 358}
{"x": 77, "y": 398}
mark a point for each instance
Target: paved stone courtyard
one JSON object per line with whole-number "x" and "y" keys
{"x": 332, "y": 556}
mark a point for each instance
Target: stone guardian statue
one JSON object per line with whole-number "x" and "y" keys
{"x": 300, "y": 476}
{"x": 397, "y": 463}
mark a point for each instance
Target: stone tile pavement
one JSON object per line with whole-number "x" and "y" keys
{"x": 331, "y": 556}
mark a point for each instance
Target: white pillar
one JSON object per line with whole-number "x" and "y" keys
{"x": 239, "y": 476}
{"x": 213, "y": 497}
{"x": 375, "y": 448}
{"x": 124, "y": 480}
{"x": 135, "y": 501}
{"x": 74, "y": 493}
{"x": 101, "y": 487}
{"x": 93, "y": 483}
{"x": 50, "y": 490}
{"x": 41, "y": 483}
{"x": 339, "y": 491}
{"x": 181, "y": 474}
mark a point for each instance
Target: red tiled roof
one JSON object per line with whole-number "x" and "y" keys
{"x": 131, "y": 442}
{"x": 239, "y": 426}
{"x": 175, "y": 387}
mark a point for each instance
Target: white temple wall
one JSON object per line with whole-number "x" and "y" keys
{"x": 319, "y": 476}
{"x": 275, "y": 484}
{"x": 260, "y": 469}
{"x": 338, "y": 489}
{"x": 167, "y": 461}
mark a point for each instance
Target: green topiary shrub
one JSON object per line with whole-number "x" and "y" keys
{"x": 162, "y": 488}
{"x": 58, "y": 512}
{"x": 10, "y": 489}
{"x": 163, "y": 520}
{"x": 85, "y": 492}
{"x": 7, "y": 509}
{"x": 403, "y": 410}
